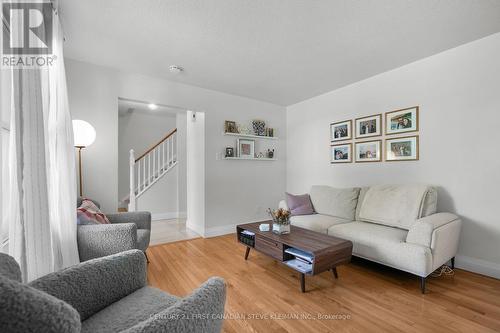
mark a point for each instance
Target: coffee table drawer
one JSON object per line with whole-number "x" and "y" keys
{"x": 269, "y": 247}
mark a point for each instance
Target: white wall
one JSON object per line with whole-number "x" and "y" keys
{"x": 236, "y": 191}
{"x": 195, "y": 161}
{"x": 161, "y": 199}
{"x": 181, "y": 164}
{"x": 139, "y": 131}
{"x": 458, "y": 92}
{"x": 93, "y": 96}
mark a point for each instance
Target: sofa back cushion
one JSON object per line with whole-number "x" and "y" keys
{"x": 397, "y": 205}
{"x": 339, "y": 202}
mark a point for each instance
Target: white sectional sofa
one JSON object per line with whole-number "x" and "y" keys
{"x": 395, "y": 225}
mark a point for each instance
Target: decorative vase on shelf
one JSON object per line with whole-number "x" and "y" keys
{"x": 259, "y": 127}
{"x": 281, "y": 221}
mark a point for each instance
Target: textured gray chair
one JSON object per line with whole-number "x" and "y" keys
{"x": 127, "y": 231}
{"x": 108, "y": 294}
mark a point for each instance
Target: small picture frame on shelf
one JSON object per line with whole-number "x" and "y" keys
{"x": 230, "y": 127}
{"x": 341, "y": 131}
{"x": 229, "y": 152}
{"x": 341, "y": 153}
{"x": 401, "y": 121}
{"x": 368, "y": 151}
{"x": 368, "y": 126}
{"x": 402, "y": 149}
{"x": 246, "y": 148}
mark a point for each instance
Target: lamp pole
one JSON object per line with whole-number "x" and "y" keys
{"x": 80, "y": 168}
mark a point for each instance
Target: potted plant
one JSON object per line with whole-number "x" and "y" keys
{"x": 281, "y": 221}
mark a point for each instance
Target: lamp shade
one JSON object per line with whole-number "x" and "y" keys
{"x": 83, "y": 133}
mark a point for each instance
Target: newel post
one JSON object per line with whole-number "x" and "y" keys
{"x": 131, "y": 205}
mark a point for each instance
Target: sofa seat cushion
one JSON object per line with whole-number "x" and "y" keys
{"x": 316, "y": 222}
{"x": 339, "y": 202}
{"x": 386, "y": 245}
{"x": 143, "y": 236}
{"x": 129, "y": 311}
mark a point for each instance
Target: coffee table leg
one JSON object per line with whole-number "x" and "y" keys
{"x": 334, "y": 271}
{"x": 247, "y": 252}
{"x": 302, "y": 282}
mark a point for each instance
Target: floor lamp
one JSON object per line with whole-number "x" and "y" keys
{"x": 84, "y": 135}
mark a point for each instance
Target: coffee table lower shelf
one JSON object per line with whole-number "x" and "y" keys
{"x": 302, "y": 275}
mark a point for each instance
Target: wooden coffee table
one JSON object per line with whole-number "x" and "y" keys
{"x": 327, "y": 252}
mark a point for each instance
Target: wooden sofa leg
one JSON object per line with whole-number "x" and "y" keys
{"x": 422, "y": 284}
{"x": 453, "y": 263}
{"x": 147, "y": 258}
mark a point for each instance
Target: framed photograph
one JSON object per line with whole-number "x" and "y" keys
{"x": 341, "y": 131}
{"x": 368, "y": 126}
{"x": 230, "y": 127}
{"x": 369, "y": 151}
{"x": 246, "y": 148}
{"x": 229, "y": 152}
{"x": 341, "y": 153}
{"x": 402, "y": 149}
{"x": 401, "y": 121}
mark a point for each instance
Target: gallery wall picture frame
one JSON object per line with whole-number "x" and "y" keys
{"x": 402, "y": 121}
{"x": 369, "y": 126}
{"x": 404, "y": 148}
{"x": 341, "y": 153}
{"x": 246, "y": 148}
{"x": 368, "y": 151}
{"x": 341, "y": 131}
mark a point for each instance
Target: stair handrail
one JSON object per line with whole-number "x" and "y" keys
{"x": 156, "y": 145}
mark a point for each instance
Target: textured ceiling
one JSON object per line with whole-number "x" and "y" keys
{"x": 280, "y": 51}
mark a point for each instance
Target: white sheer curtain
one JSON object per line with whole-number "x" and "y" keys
{"x": 42, "y": 210}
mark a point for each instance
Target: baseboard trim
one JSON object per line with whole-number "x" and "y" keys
{"x": 195, "y": 228}
{"x": 479, "y": 266}
{"x": 182, "y": 215}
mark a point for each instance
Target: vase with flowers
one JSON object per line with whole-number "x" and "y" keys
{"x": 281, "y": 221}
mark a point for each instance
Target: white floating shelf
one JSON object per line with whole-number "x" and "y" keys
{"x": 250, "y": 159}
{"x": 252, "y": 136}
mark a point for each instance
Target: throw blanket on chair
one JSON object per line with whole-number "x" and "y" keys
{"x": 394, "y": 205}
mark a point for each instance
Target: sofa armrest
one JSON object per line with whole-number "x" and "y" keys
{"x": 200, "y": 312}
{"x": 283, "y": 205}
{"x": 95, "y": 284}
{"x": 99, "y": 240}
{"x": 440, "y": 232}
{"x": 141, "y": 219}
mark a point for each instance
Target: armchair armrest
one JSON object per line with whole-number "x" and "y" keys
{"x": 141, "y": 219}
{"x": 93, "y": 285}
{"x": 200, "y": 312}
{"x": 99, "y": 240}
{"x": 440, "y": 232}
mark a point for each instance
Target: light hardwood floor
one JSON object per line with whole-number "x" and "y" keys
{"x": 368, "y": 297}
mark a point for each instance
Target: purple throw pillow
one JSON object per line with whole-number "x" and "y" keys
{"x": 299, "y": 204}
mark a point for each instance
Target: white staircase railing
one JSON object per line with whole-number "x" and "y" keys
{"x": 151, "y": 166}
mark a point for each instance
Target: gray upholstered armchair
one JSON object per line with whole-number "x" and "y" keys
{"x": 107, "y": 294}
{"x": 127, "y": 231}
